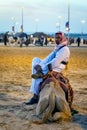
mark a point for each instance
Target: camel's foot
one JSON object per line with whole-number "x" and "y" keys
{"x": 36, "y": 119}
{"x": 60, "y": 116}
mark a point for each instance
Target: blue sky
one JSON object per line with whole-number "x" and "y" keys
{"x": 43, "y": 15}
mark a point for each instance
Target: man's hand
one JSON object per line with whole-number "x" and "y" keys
{"x": 50, "y": 67}
{"x": 38, "y": 68}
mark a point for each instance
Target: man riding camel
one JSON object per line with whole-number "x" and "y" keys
{"x": 55, "y": 61}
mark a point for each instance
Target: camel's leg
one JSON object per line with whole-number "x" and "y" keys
{"x": 63, "y": 105}
{"x": 42, "y": 105}
{"x": 64, "y": 112}
{"x": 50, "y": 108}
{"x": 48, "y": 111}
{"x": 60, "y": 116}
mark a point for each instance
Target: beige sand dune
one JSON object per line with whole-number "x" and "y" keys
{"x": 15, "y": 79}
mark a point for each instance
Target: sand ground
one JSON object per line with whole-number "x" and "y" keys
{"x": 15, "y": 80}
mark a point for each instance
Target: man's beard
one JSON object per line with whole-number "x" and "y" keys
{"x": 57, "y": 43}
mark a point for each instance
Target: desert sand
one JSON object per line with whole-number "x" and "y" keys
{"x": 15, "y": 80}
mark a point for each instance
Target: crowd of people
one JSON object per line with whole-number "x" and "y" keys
{"x": 38, "y": 40}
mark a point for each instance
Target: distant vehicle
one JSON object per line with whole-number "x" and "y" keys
{"x": 21, "y": 35}
{"x": 20, "y": 38}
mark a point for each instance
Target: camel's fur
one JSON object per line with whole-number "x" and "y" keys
{"x": 52, "y": 96}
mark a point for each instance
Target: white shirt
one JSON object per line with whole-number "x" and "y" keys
{"x": 62, "y": 55}
{"x": 55, "y": 58}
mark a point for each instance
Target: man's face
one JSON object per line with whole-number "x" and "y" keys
{"x": 58, "y": 38}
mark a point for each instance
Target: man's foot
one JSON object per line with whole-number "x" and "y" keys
{"x": 73, "y": 111}
{"x": 37, "y": 75}
{"x": 32, "y": 101}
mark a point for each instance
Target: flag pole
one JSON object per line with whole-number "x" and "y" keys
{"x": 68, "y": 19}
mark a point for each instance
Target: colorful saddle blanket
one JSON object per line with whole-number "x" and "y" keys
{"x": 64, "y": 83}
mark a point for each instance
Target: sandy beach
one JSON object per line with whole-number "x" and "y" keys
{"x": 15, "y": 80}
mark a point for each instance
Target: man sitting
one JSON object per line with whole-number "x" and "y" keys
{"x": 57, "y": 59}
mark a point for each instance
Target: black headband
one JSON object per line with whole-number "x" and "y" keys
{"x": 58, "y": 33}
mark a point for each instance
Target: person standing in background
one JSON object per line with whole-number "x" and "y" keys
{"x": 78, "y": 41}
{"x": 5, "y": 38}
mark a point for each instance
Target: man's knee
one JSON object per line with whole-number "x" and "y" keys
{"x": 36, "y": 59}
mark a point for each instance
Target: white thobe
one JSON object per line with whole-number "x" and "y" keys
{"x": 54, "y": 58}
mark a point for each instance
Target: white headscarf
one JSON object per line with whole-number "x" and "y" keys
{"x": 63, "y": 42}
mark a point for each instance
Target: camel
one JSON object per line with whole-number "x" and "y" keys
{"x": 51, "y": 96}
